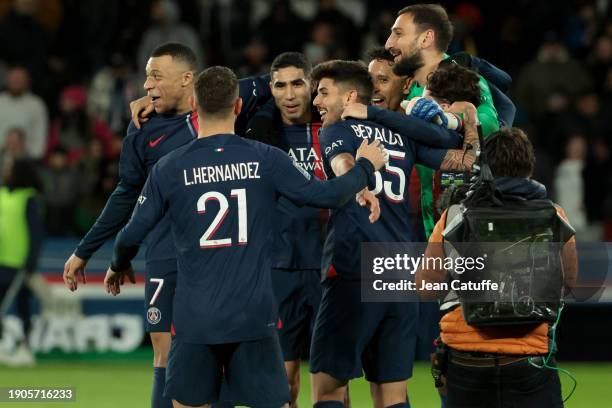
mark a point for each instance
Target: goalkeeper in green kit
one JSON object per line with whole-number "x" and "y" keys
{"x": 418, "y": 41}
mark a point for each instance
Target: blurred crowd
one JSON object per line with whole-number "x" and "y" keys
{"x": 69, "y": 68}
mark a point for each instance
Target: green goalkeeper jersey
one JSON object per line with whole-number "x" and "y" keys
{"x": 487, "y": 115}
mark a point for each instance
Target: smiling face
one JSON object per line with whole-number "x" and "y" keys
{"x": 405, "y": 44}
{"x": 404, "y": 38}
{"x": 291, "y": 92}
{"x": 389, "y": 89}
{"x": 330, "y": 101}
{"x": 168, "y": 83}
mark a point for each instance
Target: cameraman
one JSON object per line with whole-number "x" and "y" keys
{"x": 498, "y": 366}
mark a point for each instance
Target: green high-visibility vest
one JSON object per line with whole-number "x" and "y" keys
{"x": 14, "y": 233}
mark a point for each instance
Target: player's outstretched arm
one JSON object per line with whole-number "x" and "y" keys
{"x": 344, "y": 162}
{"x": 116, "y": 212}
{"x": 407, "y": 126}
{"x": 300, "y": 187}
{"x": 147, "y": 213}
{"x": 463, "y": 159}
{"x": 115, "y": 215}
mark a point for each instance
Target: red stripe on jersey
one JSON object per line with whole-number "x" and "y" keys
{"x": 279, "y": 324}
{"x": 436, "y": 192}
{"x": 414, "y": 193}
{"x": 331, "y": 272}
{"x": 194, "y": 121}
{"x": 172, "y": 331}
{"x": 319, "y": 173}
{"x": 318, "y": 169}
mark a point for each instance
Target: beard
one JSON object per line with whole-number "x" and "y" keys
{"x": 409, "y": 65}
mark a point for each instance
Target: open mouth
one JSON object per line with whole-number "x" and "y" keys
{"x": 322, "y": 113}
{"x": 397, "y": 54}
{"x": 377, "y": 100}
{"x": 154, "y": 99}
{"x": 292, "y": 108}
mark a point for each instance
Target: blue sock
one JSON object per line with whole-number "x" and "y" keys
{"x": 328, "y": 404}
{"x": 442, "y": 401}
{"x": 400, "y": 405}
{"x": 159, "y": 383}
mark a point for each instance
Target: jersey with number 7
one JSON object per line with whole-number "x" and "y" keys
{"x": 349, "y": 226}
{"x": 220, "y": 195}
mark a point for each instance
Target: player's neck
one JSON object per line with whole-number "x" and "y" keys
{"x": 184, "y": 107}
{"x": 211, "y": 127}
{"x": 432, "y": 60}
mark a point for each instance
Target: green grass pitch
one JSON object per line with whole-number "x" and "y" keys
{"x": 127, "y": 383}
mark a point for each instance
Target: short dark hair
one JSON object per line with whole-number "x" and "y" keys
{"x": 179, "y": 52}
{"x": 432, "y": 17}
{"x": 380, "y": 53}
{"x": 510, "y": 153}
{"x": 352, "y": 73}
{"x": 24, "y": 174}
{"x": 454, "y": 83}
{"x": 216, "y": 91}
{"x": 291, "y": 59}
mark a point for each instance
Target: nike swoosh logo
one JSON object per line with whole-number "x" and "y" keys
{"x": 153, "y": 143}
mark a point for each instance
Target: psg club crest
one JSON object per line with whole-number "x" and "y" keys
{"x": 153, "y": 315}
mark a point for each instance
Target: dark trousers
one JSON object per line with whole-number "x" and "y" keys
{"x": 518, "y": 384}
{"x": 23, "y": 298}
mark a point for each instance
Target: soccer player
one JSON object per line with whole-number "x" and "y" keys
{"x": 390, "y": 89}
{"x": 217, "y": 192}
{"x": 300, "y": 231}
{"x": 419, "y": 40}
{"x": 350, "y": 335}
{"x": 169, "y": 85}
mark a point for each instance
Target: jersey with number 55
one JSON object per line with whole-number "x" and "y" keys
{"x": 349, "y": 226}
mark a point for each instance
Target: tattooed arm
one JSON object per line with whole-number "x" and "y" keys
{"x": 463, "y": 159}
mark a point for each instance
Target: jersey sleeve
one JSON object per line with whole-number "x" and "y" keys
{"x": 120, "y": 204}
{"x": 261, "y": 124}
{"x": 148, "y": 212}
{"x": 254, "y": 91}
{"x": 337, "y": 139}
{"x": 487, "y": 114}
{"x": 431, "y": 157}
{"x": 415, "y": 129}
{"x": 295, "y": 183}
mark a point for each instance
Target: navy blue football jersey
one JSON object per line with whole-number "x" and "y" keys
{"x": 142, "y": 148}
{"x": 349, "y": 226}
{"x": 218, "y": 193}
{"x": 300, "y": 230}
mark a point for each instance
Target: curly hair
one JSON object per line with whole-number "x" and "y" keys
{"x": 454, "y": 83}
{"x": 510, "y": 153}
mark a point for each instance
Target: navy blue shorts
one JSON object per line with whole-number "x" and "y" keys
{"x": 298, "y": 294}
{"x": 159, "y": 291}
{"x": 252, "y": 371}
{"x": 351, "y": 336}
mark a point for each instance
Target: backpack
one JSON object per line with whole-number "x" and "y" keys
{"x": 522, "y": 240}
